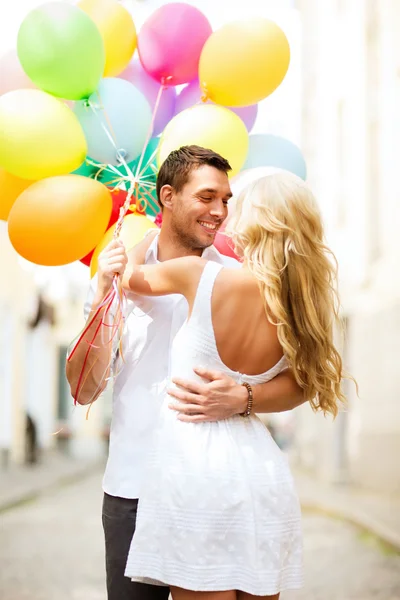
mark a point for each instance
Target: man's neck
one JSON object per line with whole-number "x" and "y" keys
{"x": 169, "y": 247}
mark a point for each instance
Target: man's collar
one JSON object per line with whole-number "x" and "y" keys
{"x": 152, "y": 252}
{"x": 210, "y": 253}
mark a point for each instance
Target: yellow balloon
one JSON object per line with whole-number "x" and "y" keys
{"x": 209, "y": 126}
{"x": 10, "y": 188}
{"x": 133, "y": 231}
{"x": 117, "y": 30}
{"x": 244, "y": 62}
{"x": 60, "y": 219}
{"x": 39, "y": 135}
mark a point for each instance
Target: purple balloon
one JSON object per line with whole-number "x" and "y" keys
{"x": 191, "y": 95}
{"x": 135, "y": 74}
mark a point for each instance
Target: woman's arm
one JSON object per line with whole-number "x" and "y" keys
{"x": 176, "y": 276}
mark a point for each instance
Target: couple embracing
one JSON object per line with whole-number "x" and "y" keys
{"x": 198, "y": 499}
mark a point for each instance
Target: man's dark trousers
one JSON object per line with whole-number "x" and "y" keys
{"x": 119, "y": 521}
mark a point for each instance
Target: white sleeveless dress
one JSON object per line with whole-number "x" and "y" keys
{"x": 218, "y": 510}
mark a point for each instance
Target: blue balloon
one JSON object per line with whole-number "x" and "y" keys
{"x": 116, "y": 120}
{"x": 273, "y": 151}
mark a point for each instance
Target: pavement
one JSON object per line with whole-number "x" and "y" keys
{"x": 21, "y": 484}
{"x": 53, "y": 549}
{"x": 376, "y": 513}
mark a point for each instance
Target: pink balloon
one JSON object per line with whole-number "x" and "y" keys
{"x": 135, "y": 74}
{"x": 170, "y": 43}
{"x": 12, "y": 75}
{"x": 192, "y": 93}
{"x": 224, "y": 245}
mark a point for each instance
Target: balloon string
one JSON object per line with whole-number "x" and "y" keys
{"x": 163, "y": 87}
{"x": 124, "y": 209}
{"x": 78, "y": 387}
{"x": 81, "y": 335}
{"x": 135, "y": 177}
{"x": 116, "y": 294}
{"x": 204, "y": 96}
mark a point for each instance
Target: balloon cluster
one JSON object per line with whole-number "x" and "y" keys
{"x": 85, "y": 123}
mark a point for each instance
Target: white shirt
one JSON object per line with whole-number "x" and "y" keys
{"x": 141, "y": 383}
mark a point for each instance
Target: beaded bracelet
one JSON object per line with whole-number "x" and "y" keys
{"x": 247, "y": 412}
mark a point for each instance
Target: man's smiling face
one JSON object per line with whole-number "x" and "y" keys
{"x": 200, "y": 207}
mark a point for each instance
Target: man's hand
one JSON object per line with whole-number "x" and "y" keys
{"x": 220, "y": 397}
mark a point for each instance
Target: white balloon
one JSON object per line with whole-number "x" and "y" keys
{"x": 242, "y": 179}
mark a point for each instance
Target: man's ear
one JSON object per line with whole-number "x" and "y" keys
{"x": 166, "y": 194}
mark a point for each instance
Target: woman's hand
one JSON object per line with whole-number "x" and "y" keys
{"x": 112, "y": 261}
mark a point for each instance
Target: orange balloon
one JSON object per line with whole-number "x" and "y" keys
{"x": 10, "y": 188}
{"x": 60, "y": 219}
{"x": 133, "y": 231}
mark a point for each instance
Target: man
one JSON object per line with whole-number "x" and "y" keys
{"x": 193, "y": 190}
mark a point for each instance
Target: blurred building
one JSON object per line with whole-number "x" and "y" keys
{"x": 351, "y": 129}
{"x": 40, "y": 314}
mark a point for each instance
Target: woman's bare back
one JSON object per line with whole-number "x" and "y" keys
{"x": 246, "y": 341}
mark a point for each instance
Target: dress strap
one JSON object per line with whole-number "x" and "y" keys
{"x": 201, "y": 311}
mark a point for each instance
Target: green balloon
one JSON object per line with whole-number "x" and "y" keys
{"x": 110, "y": 174}
{"x": 148, "y": 172}
{"x": 86, "y": 170}
{"x": 61, "y": 50}
{"x": 149, "y": 175}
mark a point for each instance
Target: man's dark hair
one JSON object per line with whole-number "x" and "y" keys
{"x": 177, "y": 167}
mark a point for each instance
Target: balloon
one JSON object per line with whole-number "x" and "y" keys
{"x": 244, "y": 62}
{"x": 148, "y": 175}
{"x": 61, "y": 50}
{"x": 117, "y": 30}
{"x": 244, "y": 178}
{"x": 150, "y": 88}
{"x": 149, "y": 171}
{"x": 59, "y": 219}
{"x": 209, "y": 126}
{"x": 191, "y": 95}
{"x": 10, "y": 188}
{"x": 133, "y": 231}
{"x": 39, "y": 135}
{"x": 118, "y": 198}
{"x": 224, "y": 245}
{"x": 170, "y": 43}
{"x": 86, "y": 170}
{"x": 121, "y": 110}
{"x": 275, "y": 151}
{"x": 13, "y": 77}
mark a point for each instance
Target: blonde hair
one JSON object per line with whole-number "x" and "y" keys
{"x": 277, "y": 228}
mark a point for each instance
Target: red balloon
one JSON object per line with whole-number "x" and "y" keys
{"x": 118, "y": 200}
{"x": 158, "y": 220}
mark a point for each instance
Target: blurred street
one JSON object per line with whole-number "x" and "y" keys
{"x": 52, "y": 549}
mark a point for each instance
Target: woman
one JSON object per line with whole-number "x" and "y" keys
{"x": 219, "y": 512}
